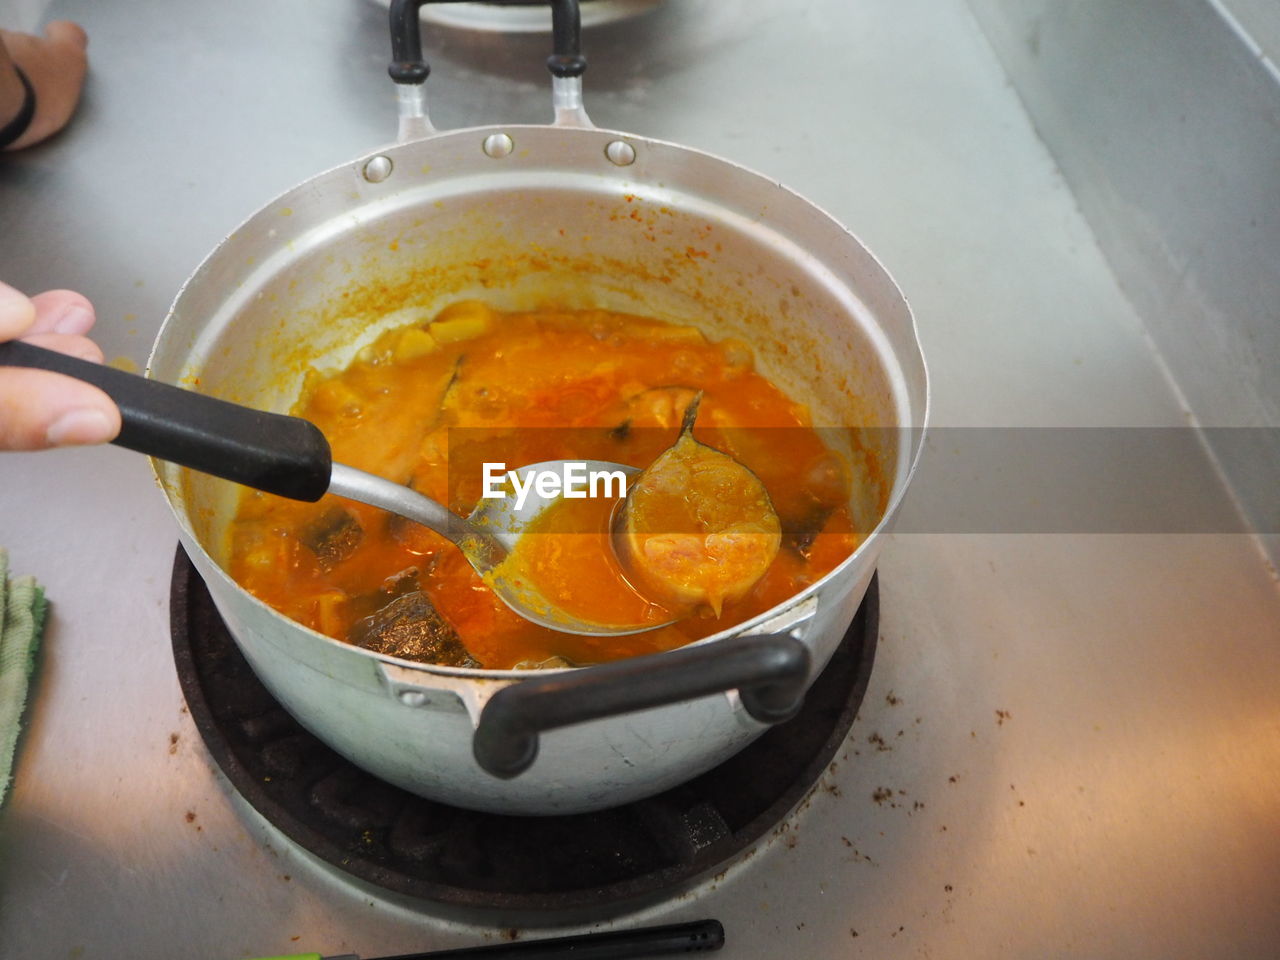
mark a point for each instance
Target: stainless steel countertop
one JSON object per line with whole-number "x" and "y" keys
{"x": 1126, "y": 804}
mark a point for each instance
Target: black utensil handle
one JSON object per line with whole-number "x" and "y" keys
{"x": 408, "y": 65}
{"x": 283, "y": 455}
{"x": 696, "y": 937}
{"x": 769, "y": 672}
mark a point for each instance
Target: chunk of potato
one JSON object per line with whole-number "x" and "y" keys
{"x": 330, "y": 612}
{"x": 268, "y": 551}
{"x": 674, "y": 333}
{"x": 461, "y": 321}
{"x": 412, "y": 344}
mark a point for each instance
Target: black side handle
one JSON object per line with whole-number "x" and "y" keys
{"x": 566, "y": 40}
{"x": 769, "y": 672}
{"x": 408, "y": 65}
{"x": 268, "y": 451}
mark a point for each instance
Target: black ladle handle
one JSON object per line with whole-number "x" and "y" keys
{"x": 770, "y": 673}
{"x": 268, "y": 451}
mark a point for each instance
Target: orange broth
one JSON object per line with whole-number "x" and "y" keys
{"x": 428, "y": 405}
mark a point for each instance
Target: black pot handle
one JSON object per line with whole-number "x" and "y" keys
{"x": 408, "y": 66}
{"x": 769, "y": 672}
{"x": 268, "y": 451}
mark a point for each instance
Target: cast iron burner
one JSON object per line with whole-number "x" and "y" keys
{"x": 482, "y": 861}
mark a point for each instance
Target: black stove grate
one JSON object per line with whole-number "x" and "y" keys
{"x": 479, "y": 861}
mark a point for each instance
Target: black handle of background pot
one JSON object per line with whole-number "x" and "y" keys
{"x": 408, "y": 65}
{"x": 284, "y": 455}
{"x": 700, "y": 936}
{"x": 769, "y": 672}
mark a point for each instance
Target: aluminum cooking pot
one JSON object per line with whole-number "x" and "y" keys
{"x": 519, "y": 216}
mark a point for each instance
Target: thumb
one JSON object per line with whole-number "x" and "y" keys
{"x": 67, "y": 32}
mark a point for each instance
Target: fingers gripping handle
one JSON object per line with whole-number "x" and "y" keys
{"x": 268, "y": 451}
{"x": 770, "y": 673}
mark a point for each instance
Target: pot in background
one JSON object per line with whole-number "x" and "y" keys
{"x": 580, "y": 217}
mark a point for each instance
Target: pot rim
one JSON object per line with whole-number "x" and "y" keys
{"x": 883, "y": 525}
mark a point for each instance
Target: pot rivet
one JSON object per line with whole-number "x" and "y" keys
{"x": 377, "y": 169}
{"x": 413, "y": 698}
{"x": 498, "y": 145}
{"x": 620, "y": 153}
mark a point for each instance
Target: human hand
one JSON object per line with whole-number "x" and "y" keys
{"x": 55, "y": 64}
{"x": 40, "y": 409}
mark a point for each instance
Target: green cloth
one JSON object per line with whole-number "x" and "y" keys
{"x": 22, "y": 609}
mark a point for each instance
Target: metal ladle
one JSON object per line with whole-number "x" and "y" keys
{"x": 290, "y": 457}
